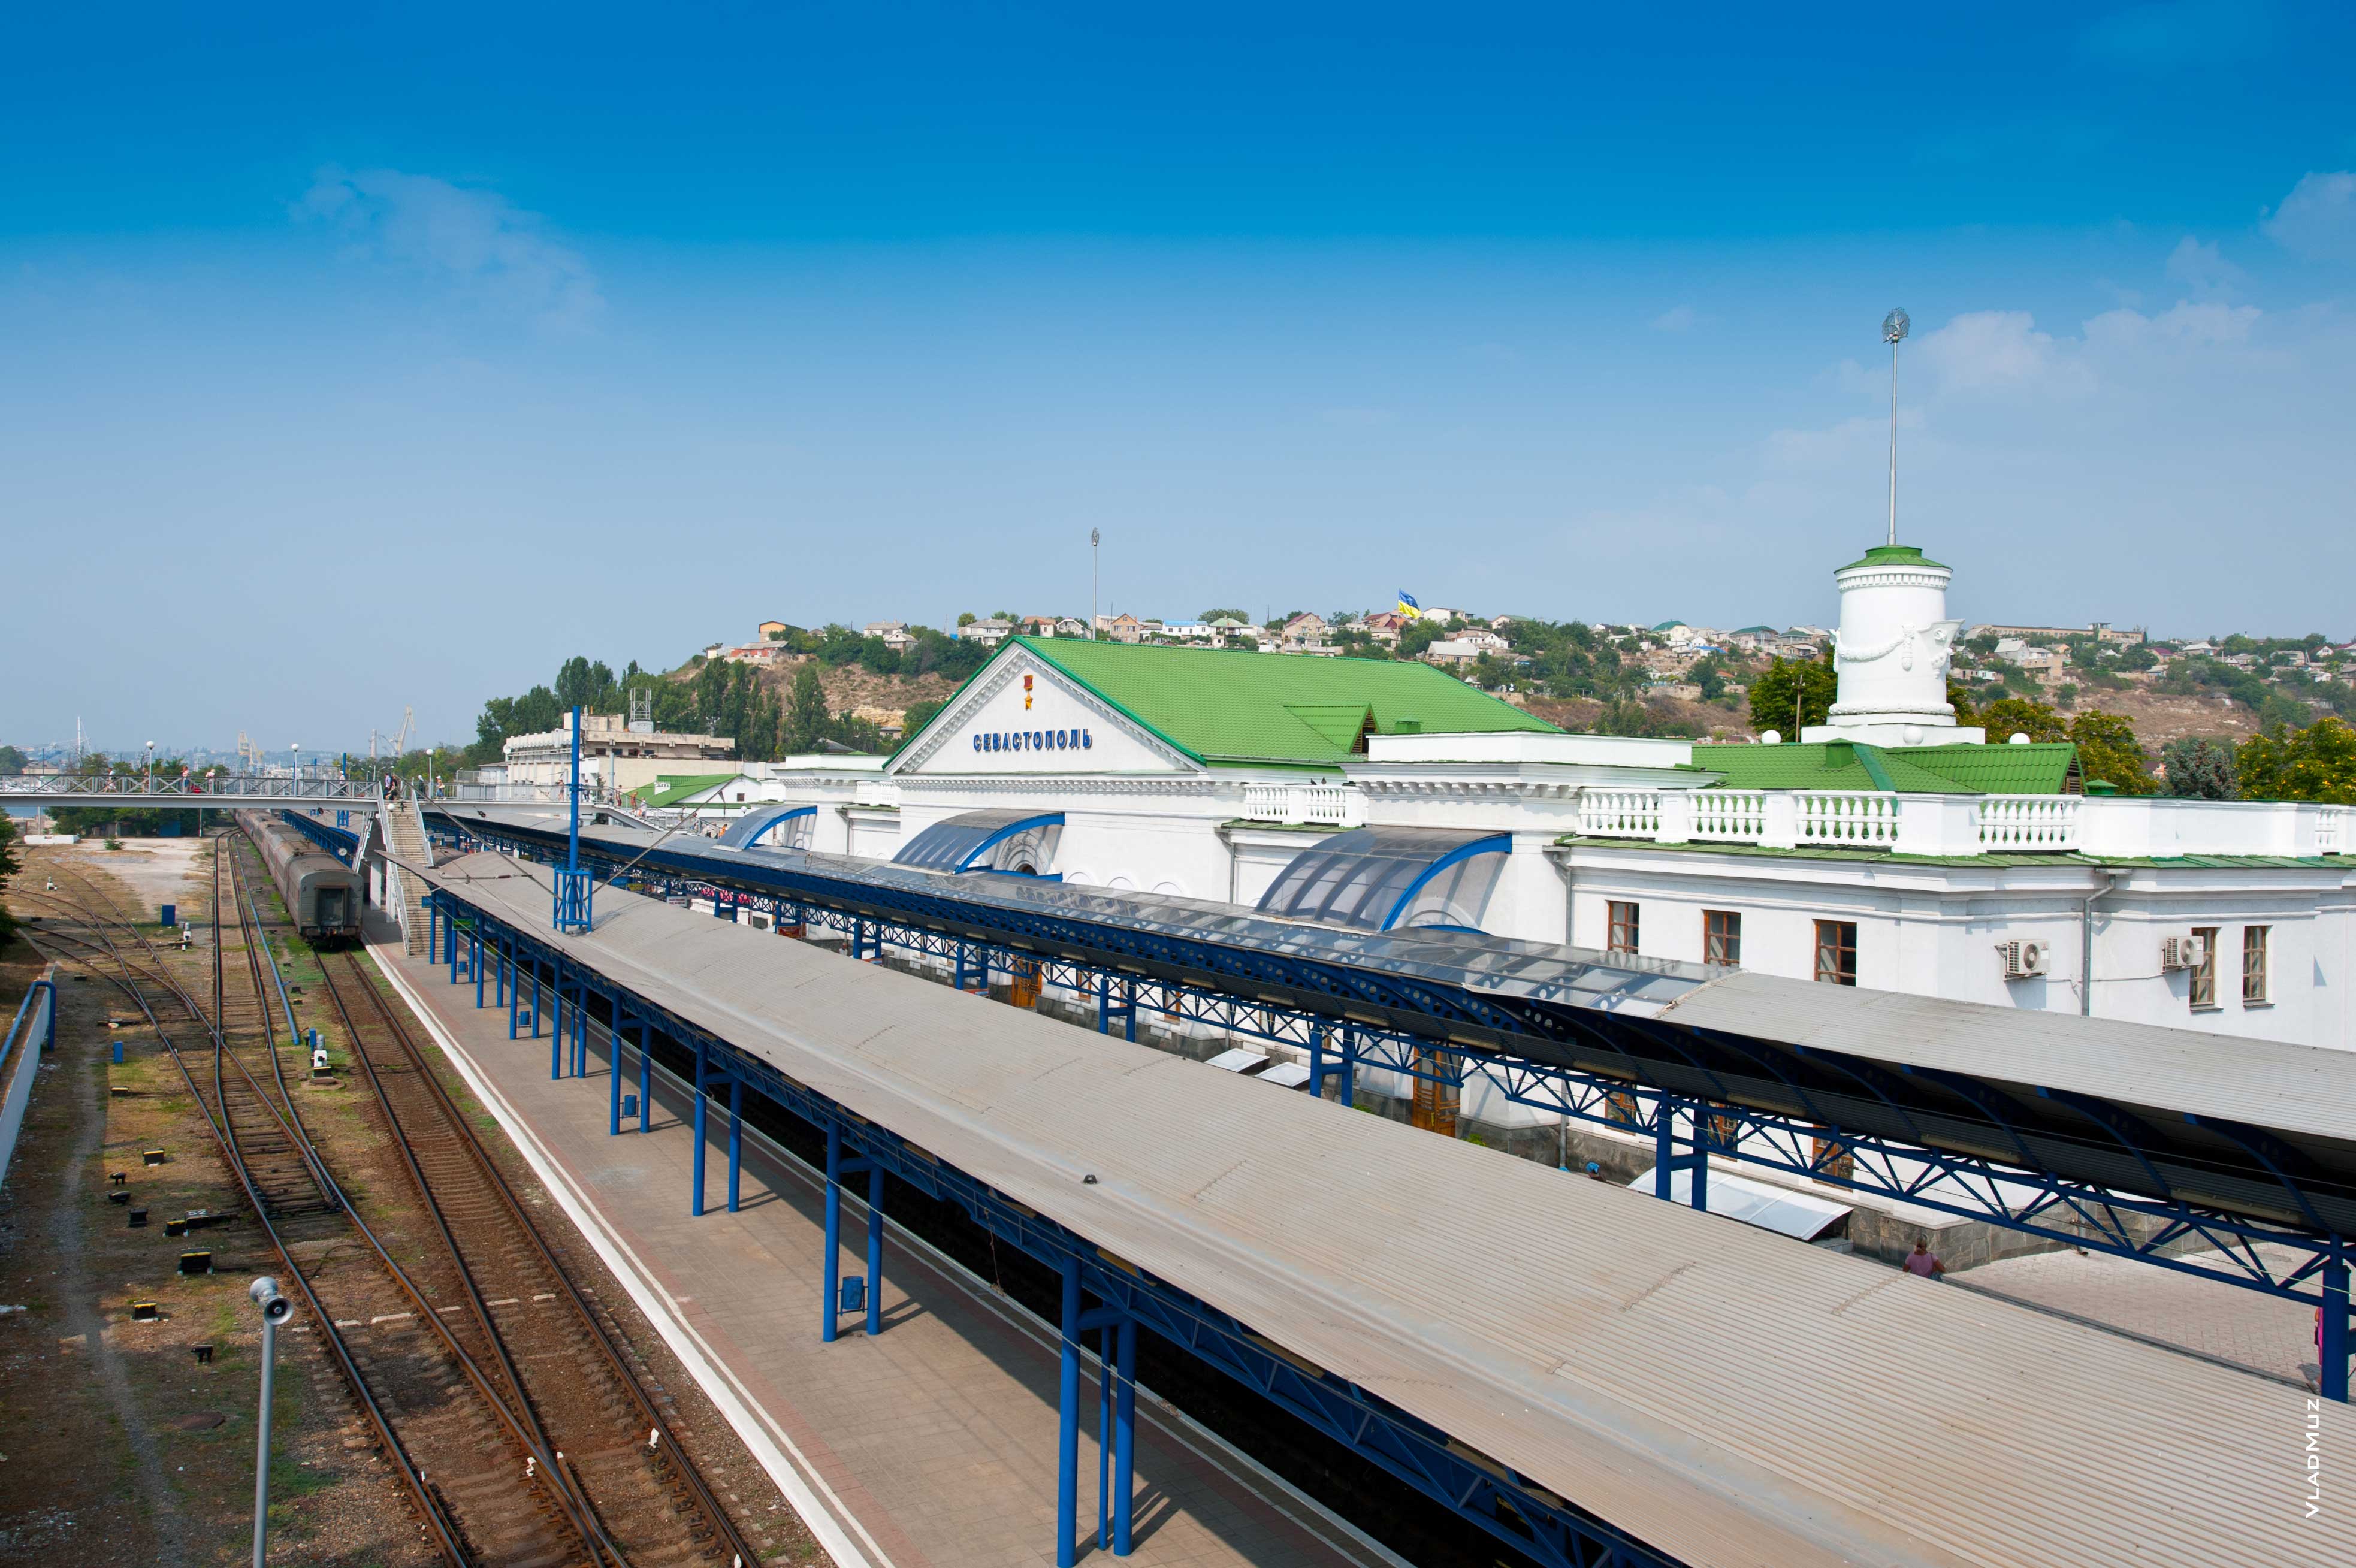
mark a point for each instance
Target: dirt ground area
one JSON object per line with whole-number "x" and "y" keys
{"x": 117, "y": 1445}
{"x": 120, "y": 1445}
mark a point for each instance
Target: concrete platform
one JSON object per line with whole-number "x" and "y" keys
{"x": 931, "y": 1446}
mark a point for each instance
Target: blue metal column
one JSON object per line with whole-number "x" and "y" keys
{"x": 1350, "y": 1064}
{"x": 539, "y": 998}
{"x": 827, "y": 1306}
{"x": 475, "y": 945}
{"x": 1124, "y": 1434}
{"x": 735, "y": 1137}
{"x": 645, "y": 1078}
{"x": 556, "y": 1026}
{"x": 500, "y": 976}
{"x": 1664, "y": 1147}
{"x": 514, "y": 990}
{"x": 1317, "y": 1061}
{"x": 1105, "y": 1380}
{"x": 701, "y": 1104}
{"x": 2332, "y": 1379}
{"x": 433, "y": 932}
{"x": 1067, "y": 1434}
{"x": 581, "y": 1023}
{"x": 1698, "y": 1195}
{"x": 874, "y": 1249}
{"x": 614, "y": 1090}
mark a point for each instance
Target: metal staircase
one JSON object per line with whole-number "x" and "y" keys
{"x": 404, "y": 827}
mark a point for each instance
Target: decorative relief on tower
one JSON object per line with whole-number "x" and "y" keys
{"x": 1934, "y": 643}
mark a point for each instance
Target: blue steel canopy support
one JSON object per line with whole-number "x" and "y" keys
{"x": 574, "y": 886}
{"x": 2013, "y": 1193}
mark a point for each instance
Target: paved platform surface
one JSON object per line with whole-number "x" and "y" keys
{"x": 2226, "y": 1323}
{"x": 934, "y": 1443}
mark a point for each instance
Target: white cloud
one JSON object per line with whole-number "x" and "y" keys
{"x": 2202, "y": 266}
{"x": 1679, "y": 318}
{"x": 2318, "y": 219}
{"x": 474, "y": 240}
{"x": 2000, "y": 350}
{"x": 2186, "y": 323}
{"x": 1853, "y": 445}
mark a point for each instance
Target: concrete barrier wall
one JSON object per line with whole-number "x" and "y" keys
{"x": 33, "y": 1032}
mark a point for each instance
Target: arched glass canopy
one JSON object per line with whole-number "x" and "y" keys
{"x": 1021, "y": 841}
{"x": 1387, "y": 879}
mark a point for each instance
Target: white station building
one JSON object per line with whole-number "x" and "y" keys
{"x": 1890, "y": 848}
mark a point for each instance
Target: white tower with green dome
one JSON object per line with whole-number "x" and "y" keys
{"x": 1892, "y": 652}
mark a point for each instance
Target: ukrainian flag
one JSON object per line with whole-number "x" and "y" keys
{"x": 1408, "y": 607}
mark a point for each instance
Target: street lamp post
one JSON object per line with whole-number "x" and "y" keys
{"x": 274, "y": 1308}
{"x": 151, "y": 768}
{"x": 1893, "y": 332}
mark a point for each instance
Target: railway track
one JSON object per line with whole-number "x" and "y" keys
{"x": 572, "y": 1464}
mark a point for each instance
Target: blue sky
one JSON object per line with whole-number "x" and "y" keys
{"x": 405, "y": 350}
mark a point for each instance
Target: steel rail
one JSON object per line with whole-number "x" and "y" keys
{"x": 475, "y": 1306}
{"x": 444, "y": 1529}
{"x": 427, "y": 1312}
{"x": 647, "y": 1410}
{"x": 524, "y": 1429}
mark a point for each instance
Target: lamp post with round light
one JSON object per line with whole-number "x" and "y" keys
{"x": 1893, "y": 332}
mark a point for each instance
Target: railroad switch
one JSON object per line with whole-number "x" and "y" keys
{"x": 153, "y": 1156}
{"x": 143, "y": 1311}
{"x": 175, "y": 1228}
{"x": 120, "y": 1195}
{"x": 196, "y": 1263}
{"x": 138, "y": 1219}
{"x": 203, "y": 1353}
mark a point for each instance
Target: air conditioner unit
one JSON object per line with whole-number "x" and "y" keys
{"x": 2182, "y": 953}
{"x": 2023, "y": 961}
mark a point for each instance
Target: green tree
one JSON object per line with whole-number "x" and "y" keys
{"x": 1791, "y": 695}
{"x": 8, "y": 867}
{"x": 1417, "y": 638}
{"x": 2009, "y": 716}
{"x": 1707, "y": 674}
{"x": 2318, "y": 763}
{"x": 807, "y": 720}
{"x": 967, "y": 617}
{"x": 917, "y": 716}
{"x": 2109, "y": 751}
{"x": 2200, "y": 768}
{"x": 1959, "y": 697}
{"x": 12, "y": 762}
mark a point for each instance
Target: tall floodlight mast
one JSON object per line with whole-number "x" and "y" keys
{"x": 1893, "y": 332}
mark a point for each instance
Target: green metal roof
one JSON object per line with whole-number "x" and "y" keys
{"x": 672, "y": 788}
{"x": 2040, "y": 767}
{"x": 1893, "y": 555}
{"x": 1911, "y": 769}
{"x": 1234, "y": 705}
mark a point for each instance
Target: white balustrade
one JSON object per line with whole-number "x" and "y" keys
{"x": 2331, "y": 830}
{"x": 1731, "y": 816}
{"x": 875, "y": 793}
{"x": 1862, "y": 819}
{"x": 1619, "y": 813}
{"x": 1321, "y": 805}
{"x": 2012, "y": 822}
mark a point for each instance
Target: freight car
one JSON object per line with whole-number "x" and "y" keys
{"x": 322, "y": 894}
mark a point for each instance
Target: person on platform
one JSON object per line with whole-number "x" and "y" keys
{"x": 1923, "y": 1261}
